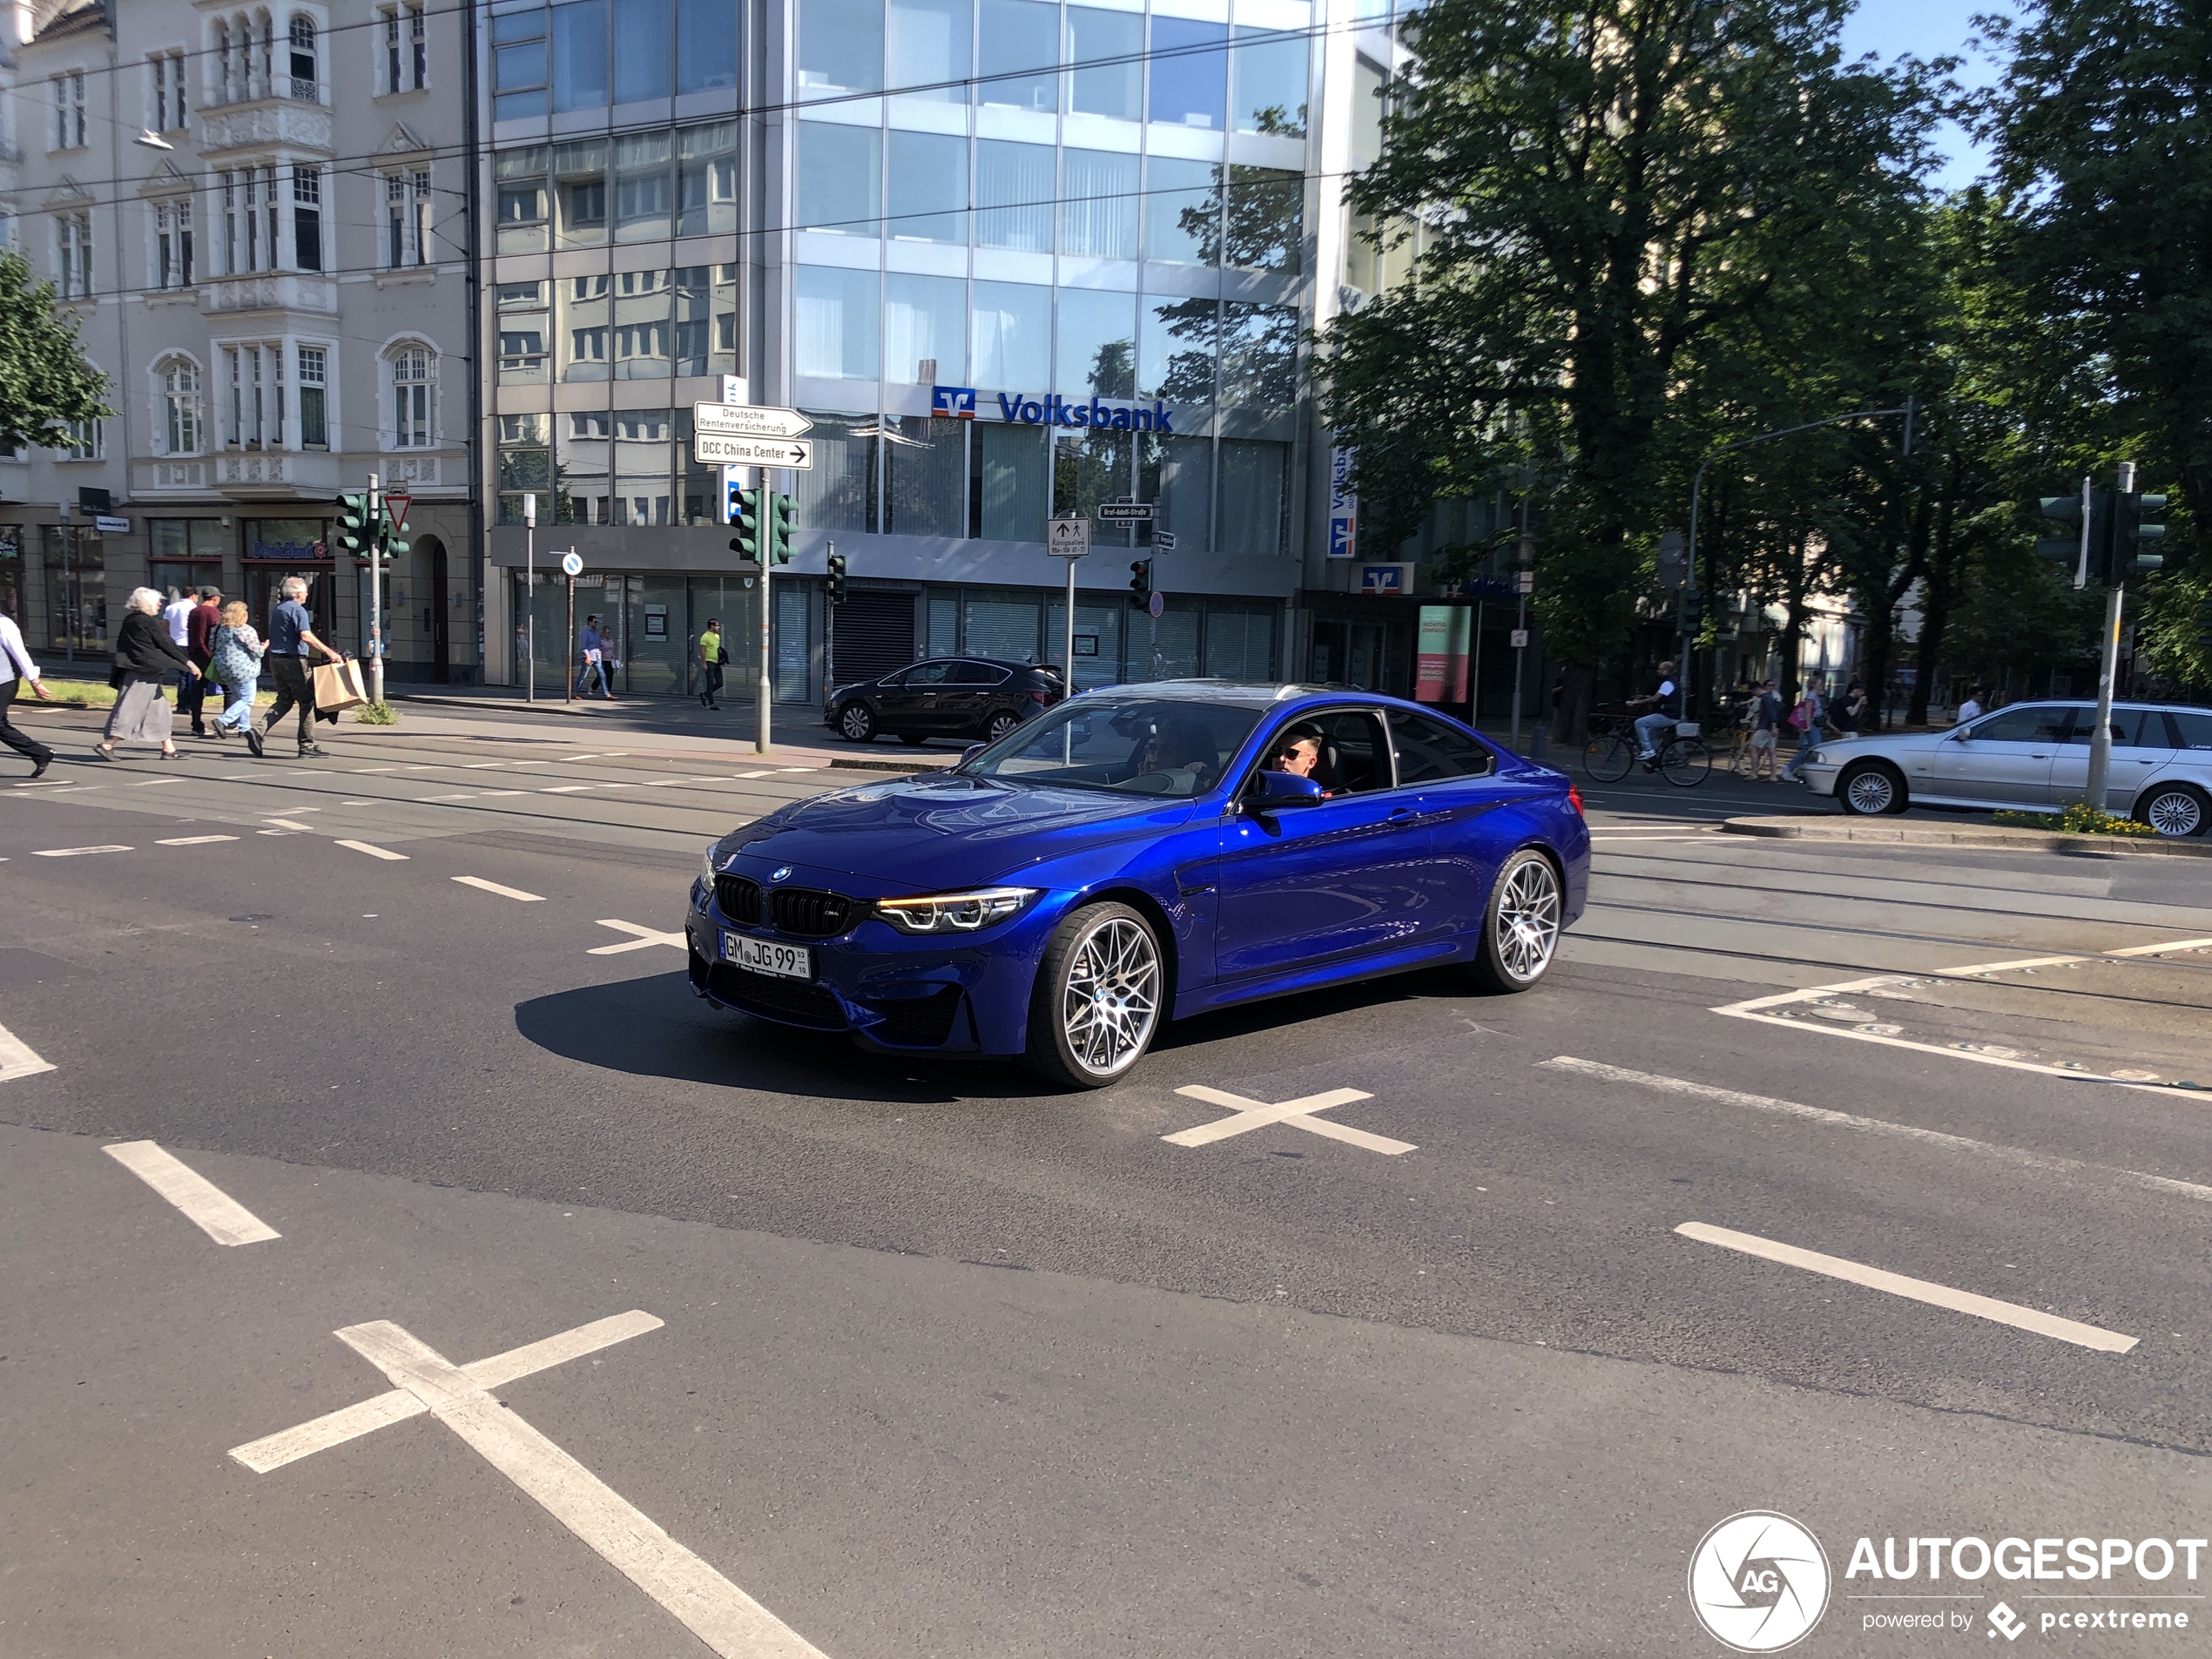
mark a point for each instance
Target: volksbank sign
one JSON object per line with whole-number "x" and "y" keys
{"x": 1052, "y": 409}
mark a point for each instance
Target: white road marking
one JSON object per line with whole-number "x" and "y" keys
{"x": 285, "y": 823}
{"x": 799, "y": 769}
{"x": 75, "y": 852}
{"x": 234, "y": 777}
{"x": 495, "y": 1371}
{"x": 466, "y": 795}
{"x": 16, "y": 1058}
{"x": 358, "y": 803}
{"x": 496, "y": 794}
{"x": 504, "y": 893}
{"x": 284, "y": 831}
{"x": 565, "y": 789}
{"x": 710, "y": 1606}
{"x": 1252, "y": 1114}
{"x": 646, "y": 936}
{"x": 480, "y": 766}
{"x": 1919, "y": 1290}
{"x": 249, "y": 774}
{"x": 617, "y": 786}
{"x": 769, "y": 773}
{"x": 1873, "y": 1126}
{"x": 375, "y": 852}
{"x": 195, "y": 840}
{"x": 148, "y": 783}
{"x": 204, "y": 1203}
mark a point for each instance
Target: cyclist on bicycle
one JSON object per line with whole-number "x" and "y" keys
{"x": 1665, "y": 706}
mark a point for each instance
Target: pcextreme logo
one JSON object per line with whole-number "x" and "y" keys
{"x": 1759, "y": 1581}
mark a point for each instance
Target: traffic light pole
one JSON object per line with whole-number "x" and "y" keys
{"x": 529, "y": 587}
{"x": 764, "y": 692}
{"x": 375, "y": 590}
{"x": 2109, "y": 664}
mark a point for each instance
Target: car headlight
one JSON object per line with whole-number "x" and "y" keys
{"x": 707, "y": 872}
{"x": 955, "y": 913}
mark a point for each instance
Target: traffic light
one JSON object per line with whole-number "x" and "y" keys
{"x": 2129, "y": 535}
{"x": 744, "y": 518}
{"x": 1693, "y": 609}
{"x": 780, "y": 513}
{"x": 733, "y": 500}
{"x": 836, "y": 586}
{"x": 2067, "y": 549}
{"x": 2204, "y": 625}
{"x": 1140, "y": 583}
{"x": 396, "y": 543}
{"x": 354, "y": 532}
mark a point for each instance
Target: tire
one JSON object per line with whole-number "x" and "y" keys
{"x": 913, "y": 739}
{"x": 1685, "y": 763}
{"x": 999, "y": 724}
{"x": 1871, "y": 788}
{"x": 1606, "y": 759}
{"x": 856, "y": 723}
{"x": 1520, "y": 924}
{"x": 2177, "y": 810}
{"x": 1097, "y": 999}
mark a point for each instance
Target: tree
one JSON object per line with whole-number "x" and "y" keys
{"x": 45, "y": 384}
{"x": 1598, "y": 190}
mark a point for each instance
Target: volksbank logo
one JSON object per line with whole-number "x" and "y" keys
{"x": 1051, "y": 409}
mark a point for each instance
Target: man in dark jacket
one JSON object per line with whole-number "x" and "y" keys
{"x": 199, "y": 632}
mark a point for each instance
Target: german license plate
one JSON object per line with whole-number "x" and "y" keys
{"x": 766, "y": 956}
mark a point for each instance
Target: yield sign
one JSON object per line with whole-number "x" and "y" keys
{"x": 396, "y": 502}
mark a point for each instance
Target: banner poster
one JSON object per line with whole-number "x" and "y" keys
{"x": 1432, "y": 662}
{"x": 1455, "y": 675}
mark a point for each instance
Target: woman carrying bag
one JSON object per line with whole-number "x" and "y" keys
{"x": 146, "y": 657}
{"x": 236, "y": 651}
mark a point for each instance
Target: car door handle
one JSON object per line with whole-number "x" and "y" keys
{"x": 1401, "y": 815}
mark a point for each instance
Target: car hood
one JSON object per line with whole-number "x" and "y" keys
{"x": 935, "y": 833}
{"x": 1885, "y": 741}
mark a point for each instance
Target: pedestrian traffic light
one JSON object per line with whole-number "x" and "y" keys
{"x": 780, "y": 515}
{"x": 353, "y": 531}
{"x": 836, "y": 587}
{"x": 1140, "y": 583}
{"x": 733, "y": 500}
{"x": 2130, "y": 534}
{"x": 744, "y": 516}
{"x": 1693, "y": 609}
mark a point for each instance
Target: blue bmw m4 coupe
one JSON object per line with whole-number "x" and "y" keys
{"x": 1137, "y": 854}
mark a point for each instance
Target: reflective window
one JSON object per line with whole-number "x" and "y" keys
{"x": 1258, "y": 355}
{"x": 840, "y": 46}
{"x": 580, "y": 55}
{"x": 519, "y": 211}
{"x": 928, "y": 180}
{"x": 925, "y": 476}
{"x": 1255, "y": 497}
{"x": 1180, "y": 340}
{"x": 1098, "y": 205}
{"x": 1012, "y": 335}
{"x": 1267, "y": 82}
{"x": 644, "y": 491}
{"x": 642, "y": 325}
{"x": 838, "y": 314}
{"x": 925, "y": 329}
{"x": 1019, "y": 47}
{"x": 1240, "y": 641}
{"x": 706, "y": 179}
{"x": 2030, "y": 723}
{"x": 1266, "y": 218}
{"x": 840, "y": 178}
{"x": 1139, "y": 746}
{"x": 1429, "y": 751}
{"x": 1014, "y": 195}
{"x": 1176, "y": 474}
{"x": 1107, "y": 49}
{"x": 580, "y": 182}
{"x": 643, "y": 188}
{"x": 642, "y": 56}
{"x": 1097, "y": 341}
{"x": 585, "y": 307}
{"x": 1368, "y": 80}
{"x": 1189, "y": 73}
{"x": 1011, "y": 483}
{"x": 706, "y": 45}
{"x": 930, "y": 49}
{"x": 838, "y": 494}
{"x": 1091, "y": 467}
{"x": 706, "y": 319}
{"x": 583, "y": 461}
{"x": 2194, "y": 730}
{"x": 518, "y": 65}
{"x": 1182, "y": 211}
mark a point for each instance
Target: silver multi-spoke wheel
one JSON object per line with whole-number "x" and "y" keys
{"x": 1526, "y": 927}
{"x": 1110, "y": 996}
{"x": 1869, "y": 792}
{"x": 2174, "y": 812}
{"x": 857, "y": 723}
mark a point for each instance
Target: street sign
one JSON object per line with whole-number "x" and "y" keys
{"x": 716, "y": 449}
{"x": 396, "y": 502}
{"x": 1067, "y": 538}
{"x": 1159, "y": 602}
{"x": 1519, "y": 638}
{"x": 107, "y": 525}
{"x": 1385, "y": 578}
{"x": 1125, "y": 512}
{"x": 1524, "y": 582}
{"x": 571, "y": 564}
{"x": 744, "y": 420}
{"x": 1162, "y": 542}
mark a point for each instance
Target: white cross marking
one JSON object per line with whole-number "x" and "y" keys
{"x": 646, "y": 937}
{"x": 711, "y": 1607}
{"x": 1253, "y": 1114}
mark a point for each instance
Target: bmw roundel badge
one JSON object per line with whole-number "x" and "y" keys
{"x": 779, "y": 874}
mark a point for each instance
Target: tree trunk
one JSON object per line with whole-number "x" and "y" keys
{"x": 1935, "y": 596}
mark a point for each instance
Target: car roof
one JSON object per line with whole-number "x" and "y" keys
{"x": 1244, "y": 693}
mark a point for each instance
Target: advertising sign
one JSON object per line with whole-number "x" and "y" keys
{"x": 1431, "y": 644}
{"x": 1344, "y": 505}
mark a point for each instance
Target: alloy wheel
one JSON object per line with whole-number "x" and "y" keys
{"x": 1869, "y": 792}
{"x": 1527, "y": 920}
{"x": 1110, "y": 997}
{"x": 2176, "y": 812}
{"x": 856, "y": 724}
{"x": 1000, "y": 725}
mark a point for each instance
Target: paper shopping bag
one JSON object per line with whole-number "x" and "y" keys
{"x": 338, "y": 685}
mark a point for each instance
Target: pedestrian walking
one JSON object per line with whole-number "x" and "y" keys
{"x": 17, "y": 670}
{"x": 236, "y": 651}
{"x": 200, "y": 624}
{"x": 594, "y": 645}
{"x": 1766, "y": 724}
{"x": 711, "y": 657}
{"x": 291, "y": 637}
{"x": 1851, "y": 714}
{"x": 1805, "y": 720}
{"x": 147, "y": 658}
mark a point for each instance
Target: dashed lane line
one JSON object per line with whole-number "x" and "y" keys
{"x": 76, "y": 852}
{"x": 195, "y": 840}
{"x": 566, "y": 789}
{"x": 18, "y": 1059}
{"x": 375, "y": 852}
{"x": 2014, "y": 1155}
{"x": 285, "y": 823}
{"x": 516, "y": 894}
{"x": 767, "y": 773}
{"x": 1919, "y": 1289}
{"x": 204, "y": 1203}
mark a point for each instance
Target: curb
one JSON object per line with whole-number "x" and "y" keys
{"x": 1987, "y": 835}
{"x": 854, "y": 763}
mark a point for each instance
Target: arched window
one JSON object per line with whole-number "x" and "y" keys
{"x": 414, "y": 368}
{"x": 222, "y": 62}
{"x": 180, "y": 424}
{"x": 303, "y": 57}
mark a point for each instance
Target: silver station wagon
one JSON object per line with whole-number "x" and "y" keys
{"x": 2032, "y": 757}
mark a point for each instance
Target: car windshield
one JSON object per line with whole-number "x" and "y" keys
{"x": 1138, "y": 745}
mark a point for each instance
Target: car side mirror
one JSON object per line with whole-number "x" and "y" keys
{"x": 970, "y": 753}
{"x": 1274, "y": 789}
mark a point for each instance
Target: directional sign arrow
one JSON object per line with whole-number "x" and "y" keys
{"x": 715, "y": 449}
{"x": 744, "y": 420}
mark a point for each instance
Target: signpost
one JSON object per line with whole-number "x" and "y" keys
{"x": 715, "y": 449}
{"x": 743, "y": 420}
{"x": 1162, "y": 542}
{"x": 1125, "y": 512}
{"x": 529, "y": 587}
{"x": 571, "y": 567}
{"x": 1068, "y": 538}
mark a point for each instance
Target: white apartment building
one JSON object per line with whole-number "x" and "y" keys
{"x": 258, "y": 215}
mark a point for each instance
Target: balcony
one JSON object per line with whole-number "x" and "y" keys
{"x": 414, "y": 468}
{"x": 162, "y": 476}
{"x": 274, "y": 475}
{"x": 270, "y": 291}
{"x": 270, "y": 117}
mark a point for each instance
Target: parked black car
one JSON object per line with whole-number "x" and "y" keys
{"x": 946, "y": 697}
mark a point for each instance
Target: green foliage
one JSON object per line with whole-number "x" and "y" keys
{"x": 376, "y": 714}
{"x": 2079, "y": 818}
{"x": 44, "y": 381}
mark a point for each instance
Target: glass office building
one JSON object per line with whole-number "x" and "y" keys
{"x": 1013, "y": 258}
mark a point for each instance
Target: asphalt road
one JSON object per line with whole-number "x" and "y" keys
{"x": 949, "y": 1366}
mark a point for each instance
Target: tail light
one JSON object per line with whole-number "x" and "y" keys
{"x": 1041, "y": 699}
{"x": 1574, "y": 800}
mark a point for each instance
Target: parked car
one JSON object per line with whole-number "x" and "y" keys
{"x": 1130, "y": 858}
{"x": 945, "y": 696}
{"x": 2032, "y": 757}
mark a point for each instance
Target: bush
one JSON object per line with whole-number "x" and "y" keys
{"x": 2079, "y": 819}
{"x": 375, "y": 714}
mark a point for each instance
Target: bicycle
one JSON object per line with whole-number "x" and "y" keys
{"x": 1683, "y": 761}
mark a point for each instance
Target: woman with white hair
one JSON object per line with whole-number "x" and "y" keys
{"x": 146, "y": 657}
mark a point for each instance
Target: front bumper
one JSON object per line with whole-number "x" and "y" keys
{"x": 1820, "y": 775}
